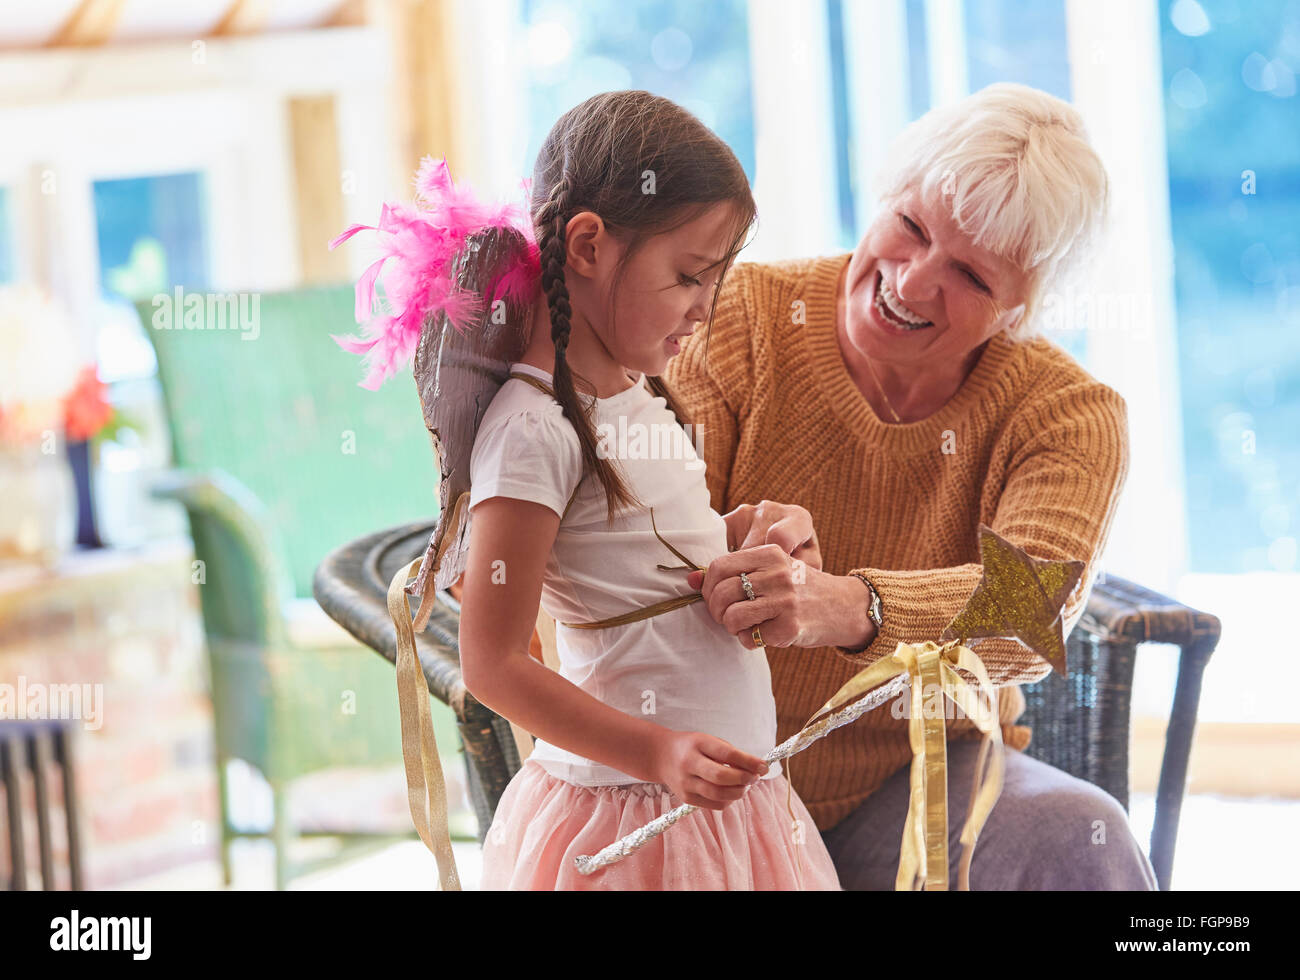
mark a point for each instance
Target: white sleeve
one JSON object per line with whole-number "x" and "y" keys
{"x": 530, "y": 454}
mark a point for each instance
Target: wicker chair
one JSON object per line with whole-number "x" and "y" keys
{"x": 268, "y": 470}
{"x": 1080, "y": 725}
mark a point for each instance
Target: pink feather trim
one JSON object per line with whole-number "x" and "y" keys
{"x": 418, "y": 247}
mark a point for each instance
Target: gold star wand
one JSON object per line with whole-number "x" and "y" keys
{"x": 1019, "y": 597}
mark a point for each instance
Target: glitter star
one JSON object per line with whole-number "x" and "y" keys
{"x": 1019, "y": 598}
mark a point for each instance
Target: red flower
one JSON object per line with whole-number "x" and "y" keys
{"x": 86, "y": 409}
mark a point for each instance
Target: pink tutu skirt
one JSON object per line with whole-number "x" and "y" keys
{"x": 543, "y": 822}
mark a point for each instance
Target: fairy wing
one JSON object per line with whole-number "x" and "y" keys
{"x": 457, "y": 373}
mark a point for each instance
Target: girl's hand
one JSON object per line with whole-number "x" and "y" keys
{"x": 788, "y": 526}
{"x": 793, "y": 604}
{"x": 704, "y": 770}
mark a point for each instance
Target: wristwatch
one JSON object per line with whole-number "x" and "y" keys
{"x": 874, "y": 612}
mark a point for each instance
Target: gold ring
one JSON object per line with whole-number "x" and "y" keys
{"x": 757, "y": 637}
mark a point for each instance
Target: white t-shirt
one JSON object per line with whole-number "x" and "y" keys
{"x": 679, "y": 669}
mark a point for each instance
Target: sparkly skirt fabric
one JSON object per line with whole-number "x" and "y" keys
{"x": 543, "y": 822}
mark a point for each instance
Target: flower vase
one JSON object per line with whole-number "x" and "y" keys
{"x": 81, "y": 458}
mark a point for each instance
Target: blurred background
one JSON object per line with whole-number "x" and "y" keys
{"x": 166, "y": 494}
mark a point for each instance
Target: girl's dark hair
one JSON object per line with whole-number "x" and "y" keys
{"x": 596, "y": 158}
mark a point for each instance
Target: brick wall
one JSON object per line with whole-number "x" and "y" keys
{"x": 126, "y": 623}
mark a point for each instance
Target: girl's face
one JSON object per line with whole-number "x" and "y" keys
{"x": 918, "y": 289}
{"x": 664, "y": 293}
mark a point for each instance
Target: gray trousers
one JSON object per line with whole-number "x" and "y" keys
{"x": 1048, "y": 831}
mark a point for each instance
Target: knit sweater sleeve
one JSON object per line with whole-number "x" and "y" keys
{"x": 1065, "y": 468}
{"x": 713, "y": 379}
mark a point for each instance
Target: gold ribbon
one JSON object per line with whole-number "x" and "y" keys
{"x": 459, "y": 509}
{"x": 426, "y": 789}
{"x": 655, "y": 609}
{"x": 923, "y": 853}
{"x": 636, "y": 615}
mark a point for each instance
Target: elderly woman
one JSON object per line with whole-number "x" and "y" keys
{"x": 898, "y": 395}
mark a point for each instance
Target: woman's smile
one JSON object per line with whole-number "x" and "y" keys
{"x": 876, "y": 302}
{"x": 891, "y": 308}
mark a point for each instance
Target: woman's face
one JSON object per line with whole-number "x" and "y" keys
{"x": 664, "y": 293}
{"x": 919, "y": 291}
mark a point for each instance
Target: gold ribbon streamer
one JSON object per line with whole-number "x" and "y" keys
{"x": 459, "y": 509}
{"x": 923, "y": 853}
{"x": 426, "y": 789}
{"x": 985, "y": 786}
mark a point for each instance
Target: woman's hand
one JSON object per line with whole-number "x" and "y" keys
{"x": 703, "y": 770}
{"x": 793, "y": 604}
{"x": 787, "y": 525}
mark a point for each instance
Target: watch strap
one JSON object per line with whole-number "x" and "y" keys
{"x": 875, "y": 612}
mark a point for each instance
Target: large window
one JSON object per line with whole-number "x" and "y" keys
{"x": 1233, "y": 138}
{"x": 694, "y": 53}
{"x": 151, "y": 237}
{"x": 150, "y": 233}
{"x": 1233, "y": 148}
{"x": 1017, "y": 42}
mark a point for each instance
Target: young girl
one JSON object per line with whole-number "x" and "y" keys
{"x": 638, "y": 210}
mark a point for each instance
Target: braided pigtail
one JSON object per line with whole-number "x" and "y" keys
{"x": 551, "y": 221}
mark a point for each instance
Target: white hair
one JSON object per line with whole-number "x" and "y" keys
{"x": 1024, "y": 181}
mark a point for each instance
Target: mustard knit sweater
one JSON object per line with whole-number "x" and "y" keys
{"x": 1030, "y": 445}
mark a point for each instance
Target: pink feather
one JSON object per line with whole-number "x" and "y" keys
{"x": 418, "y": 248}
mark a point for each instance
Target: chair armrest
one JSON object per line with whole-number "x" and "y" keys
{"x": 1123, "y": 612}
{"x": 215, "y": 495}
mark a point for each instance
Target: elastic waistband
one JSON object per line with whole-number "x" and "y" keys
{"x": 629, "y": 789}
{"x": 633, "y": 789}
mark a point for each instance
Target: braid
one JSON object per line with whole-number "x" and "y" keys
{"x": 551, "y": 220}
{"x": 554, "y": 217}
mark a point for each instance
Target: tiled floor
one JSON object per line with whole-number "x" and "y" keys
{"x": 1223, "y": 844}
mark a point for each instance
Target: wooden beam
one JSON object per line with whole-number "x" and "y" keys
{"x": 275, "y": 63}
{"x": 351, "y": 13}
{"x": 426, "y": 84}
{"x": 243, "y": 17}
{"x": 314, "y": 131}
{"x": 92, "y": 23}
